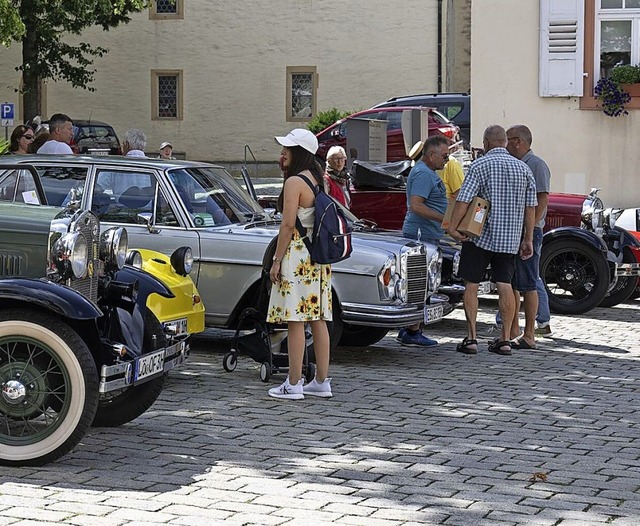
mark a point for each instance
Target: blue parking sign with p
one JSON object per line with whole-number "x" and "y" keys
{"x": 6, "y": 110}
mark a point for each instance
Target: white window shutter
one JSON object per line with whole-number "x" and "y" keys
{"x": 561, "y": 48}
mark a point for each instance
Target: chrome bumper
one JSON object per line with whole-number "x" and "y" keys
{"x": 627, "y": 269}
{"x": 389, "y": 316}
{"x": 120, "y": 375}
{"x": 453, "y": 289}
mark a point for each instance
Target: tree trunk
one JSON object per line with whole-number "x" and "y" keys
{"x": 31, "y": 85}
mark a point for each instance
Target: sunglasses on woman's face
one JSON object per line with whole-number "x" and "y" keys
{"x": 28, "y": 137}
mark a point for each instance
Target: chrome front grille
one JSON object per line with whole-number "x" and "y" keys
{"x": 414, "y": 262}
{"x": 89, "y": 226}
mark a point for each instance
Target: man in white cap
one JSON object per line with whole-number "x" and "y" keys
{"x": 166, "y": 150}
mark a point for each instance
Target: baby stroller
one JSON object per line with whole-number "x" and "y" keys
{"x": 264, "y": 342}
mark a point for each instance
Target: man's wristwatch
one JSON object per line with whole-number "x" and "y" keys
{"x": 275, "y": 258}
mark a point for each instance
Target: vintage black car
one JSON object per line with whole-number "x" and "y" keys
{"x": 586, "y": 261}
{"x": 78, "y": 347}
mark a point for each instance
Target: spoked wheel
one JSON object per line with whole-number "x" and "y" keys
{"x": 624, "y": 287}
{"x": 576, "y": 276}
{"x": 49, "y": 390}
{"x": 229, "y": 362}
{"x": 265, "y": 372}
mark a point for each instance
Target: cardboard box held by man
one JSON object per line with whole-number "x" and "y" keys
{"x": 473, "y": 221}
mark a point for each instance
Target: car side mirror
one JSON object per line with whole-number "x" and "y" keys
{"x": 146, "y": 218}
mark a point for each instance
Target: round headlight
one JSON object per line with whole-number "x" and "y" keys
{"x": 134, "y": 258}
{"x": 70, "y": 255}
{"x": 435, "y": 270}
{"x": 456, "y": 264}
{"x": 597, "y": 219}
{"x": 401, "y": 290}
{"x": 610, "y": 217}
{"x": 113, "y": 248}
{"x": 182, "y": 260}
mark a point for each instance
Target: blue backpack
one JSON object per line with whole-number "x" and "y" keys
{"x": 330, "y": 240}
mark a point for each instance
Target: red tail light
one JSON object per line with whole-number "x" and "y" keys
{"x": 74, "y": 146}
{"x": 449, "y": 132}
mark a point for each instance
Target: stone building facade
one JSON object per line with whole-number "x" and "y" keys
{"x": 212, "y": 77}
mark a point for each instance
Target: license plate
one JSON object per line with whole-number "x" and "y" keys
{"x": 149, "y": 365}
{"x": 433, "y": 313}
{"x": 176, "y": 327}
{"x": 485, "y": 287}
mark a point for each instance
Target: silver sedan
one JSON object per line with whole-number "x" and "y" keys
{"x": 387, "y": 282}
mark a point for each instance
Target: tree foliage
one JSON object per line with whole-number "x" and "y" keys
{"x": 326, "y": 118}
{"x": 11, "y": 26}
{"x": 43, "y": 28}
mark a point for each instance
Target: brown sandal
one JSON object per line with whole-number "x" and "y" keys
{"x": 498, "y": 347}
{"x": 465, "y": 346}
{"x": 522, "y": 344}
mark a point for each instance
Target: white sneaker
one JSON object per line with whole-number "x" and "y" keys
{"x": 322, "y": 390}
{"x": 288, "y": 391}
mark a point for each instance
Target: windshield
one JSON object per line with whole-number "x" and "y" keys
{"x": 213, "y": 197}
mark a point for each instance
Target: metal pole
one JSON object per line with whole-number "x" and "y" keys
{"x": 6, "y": 128}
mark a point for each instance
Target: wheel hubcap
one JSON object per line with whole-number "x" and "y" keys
{"x": 23, "y": 390}
{"x": 13, "y": 392}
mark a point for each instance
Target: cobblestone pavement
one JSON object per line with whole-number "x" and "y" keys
{"x": 412, "y": 436}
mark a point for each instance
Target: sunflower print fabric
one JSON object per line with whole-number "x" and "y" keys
{"x": 304, "y": 291}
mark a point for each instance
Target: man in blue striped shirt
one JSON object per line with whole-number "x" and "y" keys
{"x": 508, "y": 184}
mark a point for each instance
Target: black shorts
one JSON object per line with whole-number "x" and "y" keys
{"x": 474, "y": 262}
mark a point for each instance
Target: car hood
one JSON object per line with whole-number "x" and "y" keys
{"x": 370, "y": 250}
{"x": 21, "y": 219}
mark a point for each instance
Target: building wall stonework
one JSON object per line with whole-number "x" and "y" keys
{"x": 583, "y": 148}
{"x": 233, "y": 57}
{"x": 457, "y": 45}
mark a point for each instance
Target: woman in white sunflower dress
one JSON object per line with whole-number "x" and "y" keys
{"x": 301, "y": 291}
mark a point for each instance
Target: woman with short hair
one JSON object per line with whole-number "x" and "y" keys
{"x": 336, "y": 177}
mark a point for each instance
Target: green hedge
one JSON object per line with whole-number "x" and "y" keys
{"x": 326, "y": 118}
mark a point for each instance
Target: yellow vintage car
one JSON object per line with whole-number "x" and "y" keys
{"x": 184, "y": 314}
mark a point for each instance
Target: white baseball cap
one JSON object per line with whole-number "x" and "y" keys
{"x": 165, "y": 144}
{"x": 299, "y": 137}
